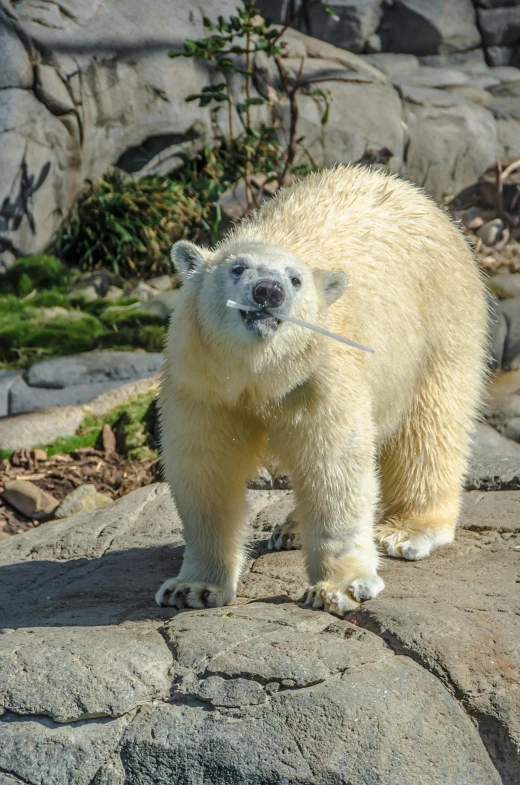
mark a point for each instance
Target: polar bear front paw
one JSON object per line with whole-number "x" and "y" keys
{"x": 181, "y": 595}
{"x": 285, "y": 537}
{"x": 340, "y": 598}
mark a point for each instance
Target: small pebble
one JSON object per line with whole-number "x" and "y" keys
{"x": 491, "y": 232}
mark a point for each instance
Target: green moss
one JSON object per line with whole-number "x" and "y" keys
{"x": 25, "y": 285}
{"x": 60, "y": 336}
{"x": 132, "y": 422}
{"x": 35, "y": 272}
{"x": 101, "y": 307}
{"x": 26, "y": 335}
{"x": 68, "y": 444}
{"x": 134, "y": 429}
{"x": 50, "y": 298}
{"x": 10, "y": 306}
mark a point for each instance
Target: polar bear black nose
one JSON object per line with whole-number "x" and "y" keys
{"x": 270, "y": 294}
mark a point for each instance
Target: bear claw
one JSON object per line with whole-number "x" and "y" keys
{"x": 191, "y": 595}
{"x": 284, "y": 537}
{"x": 333, "y": 600}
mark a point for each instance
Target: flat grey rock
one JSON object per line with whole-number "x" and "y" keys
{"x": 393, "y": 64}
{"x": 24, "y": 399}
{"x": 451, "y": 140}
{"x": 71, "y": 674}
{"x": 15, "y": 64}
{"x": 427, "y": 76}
{"x": 46, "y": 425}
{"x": 102, "y": 687}
{"x": 506, "y": 285}
{"x": 76, "y": 380}
{"x": 38, "y": 751}
{"x": 371, "y": 118}
{"x": 7, "y": 379}
{"x": 93, "y": 368}
{"x": 509, "y": 136}
{"x": 29, "y": 430}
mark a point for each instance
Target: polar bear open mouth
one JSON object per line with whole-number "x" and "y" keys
{"x": 259, "y": 321}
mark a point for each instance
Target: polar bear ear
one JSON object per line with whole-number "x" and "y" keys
{"x": 187, "y": 258}
{"x": 331, "y": 284}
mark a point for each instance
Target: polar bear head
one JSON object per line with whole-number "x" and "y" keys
{"x": 258, "y": 275}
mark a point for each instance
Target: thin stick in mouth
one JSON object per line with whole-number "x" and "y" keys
{"x": 301, "y": 323}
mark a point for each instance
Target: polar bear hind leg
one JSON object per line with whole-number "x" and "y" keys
{"x": 422, "y": 468}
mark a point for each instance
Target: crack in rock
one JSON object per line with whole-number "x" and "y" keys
{"x": 500, "y": 747}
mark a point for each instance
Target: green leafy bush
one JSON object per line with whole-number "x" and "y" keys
{"x": 128, "y": 225}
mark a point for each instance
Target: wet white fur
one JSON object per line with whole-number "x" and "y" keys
{"x": 365, "y": 437}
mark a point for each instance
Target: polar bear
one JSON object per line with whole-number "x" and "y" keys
{"x": 376, "y": 444}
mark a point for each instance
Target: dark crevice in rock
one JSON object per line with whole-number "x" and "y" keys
{"x": 42, "y": 716}
{"x": 479, "y": 28}
{"x": 9, "y": 12}
{"x": 495, "y": 483}
{"x": 66, "y": 12}
{"x": 16, "y": 776}
{"x": 482, "y": 528}
{"x": 116, "y": 750}
{"x": 264, "y": 681}
{"x": 495, "y": 738}
{"x": 136, "y": 158}
{"x": 173, "y": 651}
{"x": 194, "y": 701}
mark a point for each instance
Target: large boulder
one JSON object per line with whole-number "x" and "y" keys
{"x": 500, "y": 26}
{"x": 363, "y": 117}
{"x": 451, "y": 140}
{"x": 353, "y": 21}
{"x": 71, "y": 381}
{"x": 421, "y": 27}
{"x": 99, "y": 686}
{"x": 83, "y": 83}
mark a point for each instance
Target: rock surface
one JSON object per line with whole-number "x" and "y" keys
{"x": 82, "y": 499}
{"x": 76, "y": 380}
{"x": 495, "y": 462}
{"x": 31, "y": 501}
{"x": 101, "y": 686}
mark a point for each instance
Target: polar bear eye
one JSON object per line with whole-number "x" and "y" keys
{"x": 239, "y": 269}
{"x": 296, "y": 281}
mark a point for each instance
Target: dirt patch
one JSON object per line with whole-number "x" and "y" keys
{"x": 59, "y": 475}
